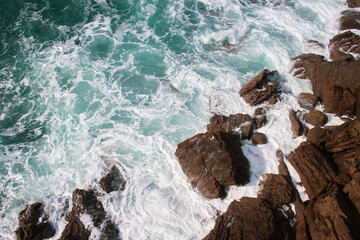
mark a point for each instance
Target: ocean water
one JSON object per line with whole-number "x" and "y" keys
{"x": 88, "y": 84}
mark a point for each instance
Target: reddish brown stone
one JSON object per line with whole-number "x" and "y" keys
{"x": 352, "y": 189}
{"x": 75, "y": 229}
{"x": 303, "y": 63}
{"x": 260, "y": 121}
{"x": 307, "y": 100}
{"x": 338, "y": 100}
{"x": 353, "y": 3}
{"x": 343, "y": 45}
{"x": 316, "y": 118}
{"x": 259, "y": 138}
{"x": 350, "y": 19}
{"x": 113, "y": 181}
{"x": 296, "y": 126}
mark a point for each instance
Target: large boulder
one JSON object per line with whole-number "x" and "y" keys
{"x": 338, "y": 100}
{"x": 316, "y": 118}
{"x": 33, "y": 223}
{"x": 296, "y": 126}
{"x": 352, "y": 189}
{"x": 264, "y": 87}
{"x": 303, "y": 63}
{"x": 353, "y": 3}
{"x": 343, "y": 46}
{"x": 350, "y": 19}
{"x": 213, "y": 160}
{"x": 314, "y": 167}
{"x": 75, "y": 229}
{"x": 234, "y": 122}
{"x": 113, "y": 181}
{"x": 307, "y": 100}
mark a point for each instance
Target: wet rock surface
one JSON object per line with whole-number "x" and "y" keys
{"x": 343, "y": 46}
{"x": 109, "y": 232}
{"x": 338, "y": 100}
{"x": 303, "y": 63}
{"x": 350, "y": 19}
{"x": 316, "y": 118}
{"x": 296, "y": 126}
{"x": 75, "y": 229}
{"x": 353, "y": 3}
{"x": 113, "y": 181}
{"x": 307, "y": 100}
{"x": 260, "y": 121}
{"x": 239, "y": 122}
{"x": 264, "y": 87}
{"x": 259, "y": 138}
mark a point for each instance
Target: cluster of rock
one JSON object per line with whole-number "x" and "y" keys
{"x": 34, "y": 224}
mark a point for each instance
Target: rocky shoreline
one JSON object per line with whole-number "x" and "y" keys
{"x": 328, "y": 162}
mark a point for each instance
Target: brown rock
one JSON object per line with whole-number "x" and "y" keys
{"x": 233, "y": 122}
{"x": 33, "y": 223}
{"x": 260, "y": 121}
{"x": 314, "y": 45}
{"x": 350, "y": 19}
{"x": 330, "y": 216}
{"x": 263, "y": 87}
{"x": 259, "y": 111}
{"x": 352, "y": 189}
{"x": 314, "y": 167}
{"x": 353, "y": 3}
{"x": 75, "y": 229}
{"x": 303, "y": 63}
{"x": 212, "y": 161}
{"x": 259, "y": 138}
{"x": 307, "y": 100}
{"x": 296, "y": 126}
{"x": 109, "y": 232}
{"x": 338, "y": 100}
{"x": 113, "y": 181}
{"x": 316, "y": 118}
{"x": 343, "y": 45}
{"x": 276, "y": 190}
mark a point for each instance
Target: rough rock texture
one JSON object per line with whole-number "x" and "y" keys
{"x": 350, "y": 19}
{"x": 259, "y": 138}
{"x": 113, "y": 181}
{"x": 276, "y": 190}
{"x": 242, "y": 122}
{"x": 313, "y": 45}
{"x": 259, "y": 111}
{"x": 109, "y": 232}
{"x": 249, "y": 219}
{"x": 316, "y": 118}
{"x": 353, "y": 3}
{"x": 296, "y": 126}
{"x": 314, "y": 167}
{"x": 260, "y": 121}
{"x": 33, "y": 223}
{"x": 344, "y": 74}
{"x": 303, "y": 63}
{"x": 264, "y": 87}
{"x": 75, "y": 229}
{"x": 343, "y": 45}
{"x": 307, "y": 100}
{"x": 212, "y": 161}
{"x": 352, "y": 189}
{"x": 330, "y": 216}
{"x": 338, "y": 100}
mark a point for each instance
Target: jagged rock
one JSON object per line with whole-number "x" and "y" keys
{"x": 303, "y": 63}
{"x": 316, "y": 118}
{"x": 33, "y": 224}
{"x": 75, "y": 229}
{"x": 353, "y": 3}
{"x": 263, "y": 87}
{"x": 343, "y": 46}
{"x": 314, "y": 167}
{"x": 259, "y": 111}
{"x": 343, "y": 142}
{"x": 242, "y": 122}
{"x": 249, "y": 219}
{"x": 338, "y": 100}
{"x": 109, "y": 232}
{"x": 330, "y": 216}
{"x": 259, "y": 138}
{"x": 213, "y": 160}
{"x": 260, "y": 121}
{"x": 296, "y": 125}
{"x": 350, "y": 19}
{"x": 113, "y": 181}
{"x": 313, "y": 45}
{"x": 276, "y": 190}
{"x": 352, "y": 189}
{"x": 86, "y": 202}
{"x": 307, "y": 100}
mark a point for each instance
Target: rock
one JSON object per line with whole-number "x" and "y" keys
{"x": 303, "y": 63}
{"x": 113, "y": 181}
{"x": 338, "y": 100}
{"x": 307, "y": 100}
{"x": 343, "y": 46}
{"x": 86, "y": 202}
{"x": 259, "y": 111}
{"x": 75, "y": 229}
{"x": 330, "y": 216}
{"x": 276, "y": 190}
{"x": 33, "y": 224}
{"x": 314, "y": 168}
{"x": 258, "y": 138}
{"x": 350, "y": 19}
{"x": 250, "y": 218}
{"x": 313, "y": 46}
{"x": 316, "y": 118}
{"x": 213, "y": 160}
{"x": 296, "y": 125}
{"x": 352, "y": 189}
{"x": 109, "y": 232}
{"x": 353, "y": 3}
{"x": 263, "y": 87}
{"x": 242, "y": 122}
{"x": 260, "y": 121}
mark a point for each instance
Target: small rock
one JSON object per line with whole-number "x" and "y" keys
{"x": 316, "y": 118}
{"x": 259, "y": 111}
{"x": 113, "y": 181}
{"x": 352, "y": 189}
{"x": 338, "y": 100}
{"x": 260, "y": 121}
{"x": 350, "y": 19}
{"x": 303, "y": 63}
{"x": 307, "y": 100}
{"x": 296, "y": 126}
{"x": 75, "y": 229}
{"x": 259, "y": 138}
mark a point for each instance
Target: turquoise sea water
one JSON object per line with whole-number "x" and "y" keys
{"x": 85, "y": 85}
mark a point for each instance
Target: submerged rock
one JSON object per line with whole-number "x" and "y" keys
{"x": 75, "y": 229}
{"x": 213, "y": 160}
{"x": 33, "y": 224}
{"x": 316, "y": 118}
{"x": 303, "y": 63}
{"x": 264, "y": 87}
{"x": 109, "y": 232}
{"x": 113, "y": 181}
